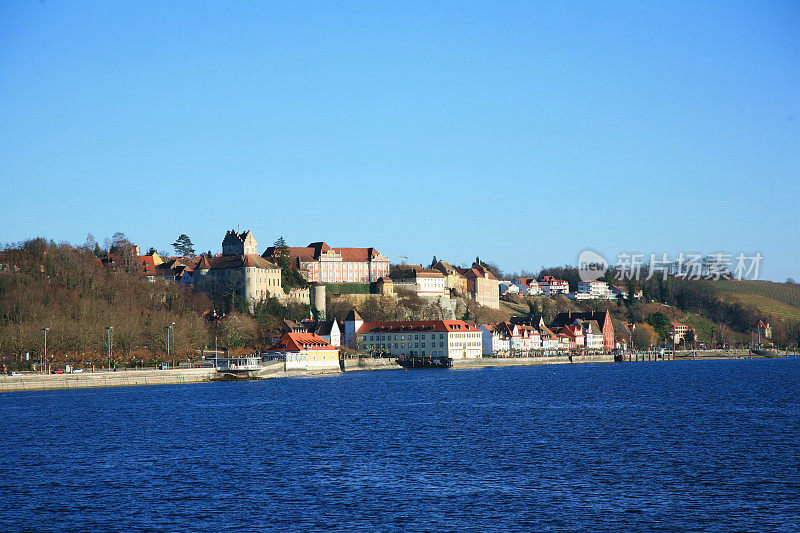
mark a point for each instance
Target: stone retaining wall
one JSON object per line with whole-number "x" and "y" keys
{"x": 105, "y": 379}
{"x": 370, "y": 363}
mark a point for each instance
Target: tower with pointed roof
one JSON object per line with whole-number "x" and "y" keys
{"x": 352, "y": 323}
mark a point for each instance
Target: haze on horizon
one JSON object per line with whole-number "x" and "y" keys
{"x": 520, "y": 132}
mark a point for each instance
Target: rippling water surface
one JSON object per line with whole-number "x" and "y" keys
{"x": 691, "y": 446}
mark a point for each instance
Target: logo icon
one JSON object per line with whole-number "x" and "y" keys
{"x": 591, "y": 265}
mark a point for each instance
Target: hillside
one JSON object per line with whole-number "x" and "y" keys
{"x": 778, "y": 300}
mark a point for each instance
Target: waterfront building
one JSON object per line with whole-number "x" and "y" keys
{"x": 352, "y": 323}
{"x": 571, "y": 337}
{"x": 492, "y": 340}
{"x": 422, "y": 338}
{"x": 306, "y": 351}
{"x": 603, "y": 319}
{"x": 592, "y": 334}
{"x": 328, "y": 330}
{"x": 678, "y": 331}
{"x": 320, "y": 263}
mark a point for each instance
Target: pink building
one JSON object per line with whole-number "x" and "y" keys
{"x": 321, "y": 263}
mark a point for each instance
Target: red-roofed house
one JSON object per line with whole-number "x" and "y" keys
{"x": 482, "y": 286}
{"x": 679, "y": 331}
{"x": 425, "y": 338}
{"x": 307, "y": 351}
{"x": 551, "y": 286}
{"x": 528, "y": 286}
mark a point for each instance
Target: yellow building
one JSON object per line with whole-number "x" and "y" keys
{"x": 453, "y": 279}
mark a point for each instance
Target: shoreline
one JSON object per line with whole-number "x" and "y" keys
{"x": 127, "y": 378}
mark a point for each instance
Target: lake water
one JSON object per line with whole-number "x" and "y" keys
{"x": 690, "y": 446}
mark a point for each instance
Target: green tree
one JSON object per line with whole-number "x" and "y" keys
{"x": 660, "y": 324}
{"x": 183, "y": 246}
{"x": 281, "y": 253}
{"x": 688, "y": 337}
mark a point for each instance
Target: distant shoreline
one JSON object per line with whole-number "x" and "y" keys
{"x": 126, "y": 378}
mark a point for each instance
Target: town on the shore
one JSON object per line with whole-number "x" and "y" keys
{"x": 315, "y": 342}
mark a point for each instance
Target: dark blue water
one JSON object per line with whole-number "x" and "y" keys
{"x": 691, "y": 446}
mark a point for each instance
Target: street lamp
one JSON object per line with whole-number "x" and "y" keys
{"x": 108, "y": 330}
{"x": 44, "y": 363}
{"x": 168, "y": 328}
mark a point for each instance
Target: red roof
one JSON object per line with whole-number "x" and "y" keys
{"x": 418, "y": 326}
{"x": 313, "y": 251}
{"x": 296, "y": 342}
{"x": 477, "y": 271}
{"x": 551, "y": 280}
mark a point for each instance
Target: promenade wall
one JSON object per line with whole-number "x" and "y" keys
{"x": 370, "y": 363}
{"x": 105, "y": 379}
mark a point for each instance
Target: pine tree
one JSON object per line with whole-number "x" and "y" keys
{"x": 183, "y": 246}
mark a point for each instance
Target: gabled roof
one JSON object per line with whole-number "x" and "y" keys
{"x": 569, "y": 317}
{"x": 446, "y": 268}
{"x": 203, "y": 263}
{"x": 297, "y": 342}
{"x": 477, "y": 271}
{"x": 593, "y": 327}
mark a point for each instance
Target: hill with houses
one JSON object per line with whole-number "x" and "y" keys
{"x": 241, "y": 300}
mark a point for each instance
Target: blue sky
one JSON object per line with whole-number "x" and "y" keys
{"x": 522, "y": 132}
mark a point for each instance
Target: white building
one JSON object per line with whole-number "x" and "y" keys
{"x": 494, "y": 343}
{"x": 528, "y": 286}
{"x": 594, "y": 290}
{"x": 593, "y": 334}
{"x": 425, "y": 282}
{"x": 552, "y": 286}
{"x": 508, "y": 287}
{"x": 424, "y": 338}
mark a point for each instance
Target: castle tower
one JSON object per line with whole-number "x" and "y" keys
{"x": 318, "y": 298}
{"x": 236, "y": 243}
